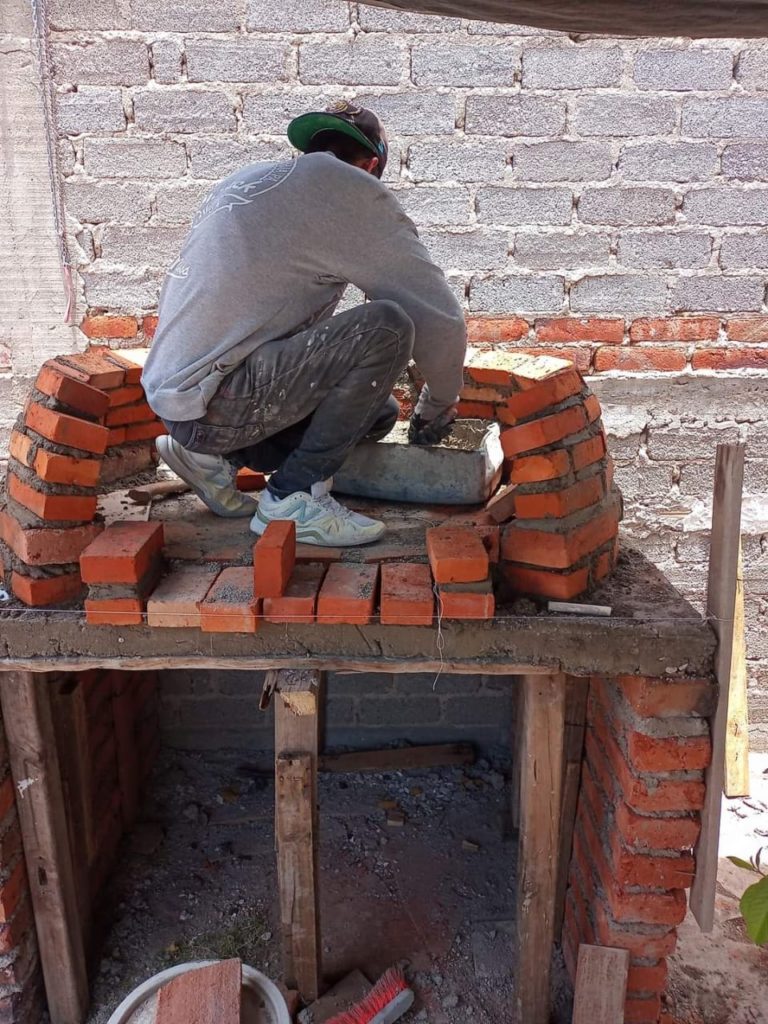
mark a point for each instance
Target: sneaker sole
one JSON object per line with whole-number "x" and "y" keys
{"x": 310, "y": 536}
{"x": 166, "y": 454}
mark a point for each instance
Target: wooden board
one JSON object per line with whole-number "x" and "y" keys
{"x": 26, "y": 704}
{"x": 576, "y": 696}
{"x": 400, "y": 758}
{"x": 721, "y": 601}
{"x": 601, "y": 985}
{"x": 208, "y": 995}
{"x": 737, "y": 733}
{"x": 541, "y": 780}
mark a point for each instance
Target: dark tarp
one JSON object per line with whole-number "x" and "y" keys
{"x": 726, "y": 19}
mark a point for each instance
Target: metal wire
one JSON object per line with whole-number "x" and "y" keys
{"x": 45, "y": 63}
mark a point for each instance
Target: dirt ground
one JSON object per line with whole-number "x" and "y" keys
{"x": 435, "y": 892}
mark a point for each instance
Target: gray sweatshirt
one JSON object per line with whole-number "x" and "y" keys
{"x": 269, "y": 254}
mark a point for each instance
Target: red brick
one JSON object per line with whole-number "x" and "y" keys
{"x": 472, "y": 393}
{"x": 109, "y": 326}
{"x": 116, "y": 436}
{"x": 580, "y": 329}
{"x": 69, "y": 391}
{"x": 125, "y": 396}
{"x": 633, "y": 360}
{"x": 230, "y": 606}
{"x": 730, "y": 359}
{"x": 476, "y": 410}
{"x": 648, "y": 871}
{"x": 12, "y": 891}
{"x": 543, "y": 549}
{"x": 299, "y": 602}
{"x": 456, "y": 554}
{"x": 114, "y": 611}
{"x": 407, "y": 598}
{"x": 668, "y": 698}
{"x": 647, "y": 978}
{"x": 501, "y": 506}
{"x": 348, "y": 594}
{"x": 653, "y": 946}
{"x": 37, "y": 593}
{"x": 124, "y": 415}
{"x": 643, "y": 832}
{"x": 45, "y": 546}
{"x": 672, "y": 754}
{"x": 542, "y": 396}
{"x": 579, "y": 356}
{"x": 249, "y": 480}
{"x": 7, "y": 798}
{"x": 132, "y": 371}
{"x": 18, "y": 928}
{"x": 53, "y": 507}
{"x": 490, "y": 535}
{"x": 557, "y": 504}
{"x": 211, "y": 993}
{"x": 495, "y": 330}
{"x": 99, "y": 370}
{"x": 149, "y": 326}
{"x": 513, "y": 367}
{"x": 122, "y": 553}
{"x": 175, "y": 603}
{"x": 592, "y": 408}
{"x": 749, "y": 329}
{"x": 558, "y": 586}
{"x": 542, "y": 432}
{"x": 642, "y": 1011}
{"x": 274, "y": 556}
{"x": 467, "y": 600}
{"x": 145, "y": 431}
{"x": 19, "y": 448}
{"x": 538, "y": 468}
{"x": 63, "y": 469}
{"x": 66, "y": 430}
{"x": 605, "y": 563}
{"x": 675, "y": 328}
{"x": 585, "y": 453}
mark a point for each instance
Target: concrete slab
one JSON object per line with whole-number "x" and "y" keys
{"x": 463, "y": 470}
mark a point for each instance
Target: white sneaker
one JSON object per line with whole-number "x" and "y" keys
{"x": 319, "y": 518}
{"x": 211, "y": 477}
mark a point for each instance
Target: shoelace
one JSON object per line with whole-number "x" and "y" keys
{"x": 329, "y": 502}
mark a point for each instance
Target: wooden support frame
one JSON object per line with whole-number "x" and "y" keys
{"x": 26, "y": 704}
{"x": 298, "y": 701}
{"x": 542, "y": 726}
{"x": 576, "y": 696}
{"x": 721, "y": 603}
{"x": 737, "y": 735}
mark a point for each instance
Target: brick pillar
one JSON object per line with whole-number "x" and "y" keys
{"x": 642, "y": 788}
{"x": 21, "y": 999}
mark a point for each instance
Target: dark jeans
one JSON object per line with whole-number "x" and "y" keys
{"x": 297, "y": 406}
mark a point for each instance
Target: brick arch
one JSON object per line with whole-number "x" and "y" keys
{"x": 85, "y": 424}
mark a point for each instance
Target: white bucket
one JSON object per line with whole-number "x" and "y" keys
{"x": 262, "y": 1001}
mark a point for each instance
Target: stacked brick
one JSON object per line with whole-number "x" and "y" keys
{"x": 122, "y": 567}
{"x": 638, "y": 818}
{"x": 559, "y": 508}
{"x": 85, "y": 424}
{"x": 461, "y": 567}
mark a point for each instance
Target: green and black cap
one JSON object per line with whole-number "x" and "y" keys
{"x": 346, "y": 117}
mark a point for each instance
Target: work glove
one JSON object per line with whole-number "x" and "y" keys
{"x": 421, "y": 431}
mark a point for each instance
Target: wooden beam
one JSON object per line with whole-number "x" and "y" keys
{"x": 737, "y": 733}
{"x": 297, "y": 740}
{"x": 721, "y": 602}
{"x": 399, "y": 758}
{"x": 26, "y": 704}
{"x": 576, "y": 695}
{"x": 601, "y": 985}
{"x": 541, "y": 780}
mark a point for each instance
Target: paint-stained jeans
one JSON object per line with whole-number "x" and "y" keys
{"x": 297, "y": 406}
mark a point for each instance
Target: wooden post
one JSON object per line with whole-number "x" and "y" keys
{"x": 576, "y": 694}
{"x": 26, "y": 703}
{"x": 737, "y": 735}
{"x": 298, "y": 696}
{"x": 541, "y": 779}
{"x": 721, "y": 601}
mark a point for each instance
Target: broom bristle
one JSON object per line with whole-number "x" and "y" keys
{"x": 389, "y": 985}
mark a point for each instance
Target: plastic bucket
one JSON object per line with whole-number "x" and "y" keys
{"x": 262, "y": 1001}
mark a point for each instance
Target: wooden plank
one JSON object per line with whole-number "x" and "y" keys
{"x": 721, "y": 602}
{"x": 207, "y": 995}
{"x": 541, "y": 780}
{"x": 26, "y": 705}
{"x": 514, "y": 782}
{"x": 576, "y": 695}
{"x": 737, "y": 733}
{"x": 399, "y": 759}
{"x": 601, "y": 985}
{"x": 297, "y": 742}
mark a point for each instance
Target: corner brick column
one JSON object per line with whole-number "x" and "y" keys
{"x": 642, "y": 788}
{"x": 21, "y": 993}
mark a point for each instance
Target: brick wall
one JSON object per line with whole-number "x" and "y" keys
{"x": 582, "y": 193}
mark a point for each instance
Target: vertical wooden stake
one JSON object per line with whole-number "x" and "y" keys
{"x": 737, "y": 735}
{"x": 541, "y": 780}
{"x": 298, "y": 696}
{"x": 721, "y": 601}
{"x": 26, "y": 703}
{"x": 576, "y": 694}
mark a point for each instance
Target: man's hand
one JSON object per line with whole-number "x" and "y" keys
{"x": 432, "y": 431}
